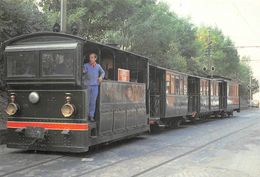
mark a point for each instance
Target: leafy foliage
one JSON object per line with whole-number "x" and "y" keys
{"x": 146, "y": 27}
{"x": 18, "y": 17}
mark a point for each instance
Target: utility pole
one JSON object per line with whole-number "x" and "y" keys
{"x": 210, "y": 67}
{"x": 63, "y": 16}
{"x": 250, "y": 90}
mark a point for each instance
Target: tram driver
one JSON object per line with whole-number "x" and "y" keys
{"x": 94, "y": 74}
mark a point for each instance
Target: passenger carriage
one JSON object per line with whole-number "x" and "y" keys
{"x": 178, "y": 97}
{"x": 168, "y": 97}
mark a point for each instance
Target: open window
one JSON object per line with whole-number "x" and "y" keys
{"x": 185, "y": 86}
{"x": 181, "y": 85}
{"x": 177, "y": 85}
{"x": 168, "y": 83}
{"x": 107, "y": 63}
{"x": 122, "y": 66}
{"x": 173, "y": 84}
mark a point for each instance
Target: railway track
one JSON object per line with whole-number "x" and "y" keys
{"x": 167, "y": 161}
{"x": 88, "y": 171}
{"x": 191, "y": 151}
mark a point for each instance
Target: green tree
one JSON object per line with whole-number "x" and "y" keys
{"x": 223, "y": 55}
{"x": 18, "y": 17}
{"x": 141, "y": 26}
{"x": 157, "y": 33}
{"x": 245, "y": 73}
{"x": 94, "y": 17}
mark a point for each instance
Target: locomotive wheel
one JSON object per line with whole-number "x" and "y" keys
{"x": 175, "y": 123}
{"x": 171, "y": 124}
{"x": 178, "y": 123}
{"x": 203, "y": 117}
{"x": 230, "y": 114}
{"x": 154, "y": 129}
{"x": 222, "y": 114}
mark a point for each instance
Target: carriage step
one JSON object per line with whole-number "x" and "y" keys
{"x": 161, "y": 125}
{"x": 93, "y": 129}
{"x": 92, "y": 125}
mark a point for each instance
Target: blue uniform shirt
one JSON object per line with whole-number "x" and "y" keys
{"x": 93, "y": 72}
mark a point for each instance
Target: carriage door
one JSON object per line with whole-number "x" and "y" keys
{"x": 223, "y": 95}
{"x": 193, "y": 94}
{"x": 156, "y": 91}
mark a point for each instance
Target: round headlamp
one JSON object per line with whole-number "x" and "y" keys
{"x": 67, "y": 110}
{"x": 34, "y": 97}
{"x": 11, "y": 109}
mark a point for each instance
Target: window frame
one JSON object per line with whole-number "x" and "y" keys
{"x": 74, "y": 62}
{"x": 177, "y": 84}
{"x": 35, "y": 65}
{"x": 173, "y": 84}
{"x": 185, "y": 86}
{"x": 168, "y": 83}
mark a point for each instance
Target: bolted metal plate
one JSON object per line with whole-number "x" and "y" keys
{"x": 35, "y": 132}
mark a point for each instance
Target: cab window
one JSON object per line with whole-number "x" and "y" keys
{"x": 57, "y": 63}
{"x": 21, "y": 64}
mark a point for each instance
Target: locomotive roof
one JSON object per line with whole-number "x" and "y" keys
{"x": 59, "y": 34}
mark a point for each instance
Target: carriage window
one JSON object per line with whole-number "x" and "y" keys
{"x": 168, "y": 83}
{"x": 21, "y": 64}
{"x": 172, "y": 84}
{"x": 181, "y": 86}
{"x": 177, "y": 85}
{"x": 217, "y": 87}
{"x": 201, "y": 87}
{"x": 57, "y": 63}
{"x": 212, "y": 89}
{"x": 107, "y": 63}
{"x": 206, "y": 90}
{"x": 232, "y": 91}
{"x": 185, "y": 86}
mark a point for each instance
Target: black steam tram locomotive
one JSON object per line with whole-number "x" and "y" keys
{"x": 48, "y": 101}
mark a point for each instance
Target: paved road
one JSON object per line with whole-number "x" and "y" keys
{"x": 219, "y": 148}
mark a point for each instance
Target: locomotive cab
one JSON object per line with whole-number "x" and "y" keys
{"x": 46, "y": 103}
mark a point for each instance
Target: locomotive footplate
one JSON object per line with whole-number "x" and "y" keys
{"x": 35, "y": 132}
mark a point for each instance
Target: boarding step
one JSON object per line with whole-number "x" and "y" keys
{"x": 93, "y": 129}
